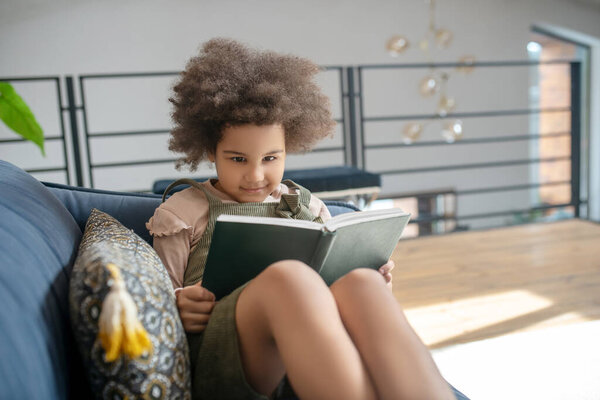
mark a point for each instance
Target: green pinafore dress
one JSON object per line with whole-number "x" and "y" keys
{"x": 217, "y": 371}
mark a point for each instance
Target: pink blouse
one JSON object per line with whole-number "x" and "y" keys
{"x": 178, "y": 224}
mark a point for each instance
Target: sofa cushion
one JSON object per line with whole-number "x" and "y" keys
{"x": 164, "y": 371}
{"x": 38, "y": 244}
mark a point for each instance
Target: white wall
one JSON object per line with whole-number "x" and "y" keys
{"x": 79, "y": 36}
{"x": 76, "y": 37}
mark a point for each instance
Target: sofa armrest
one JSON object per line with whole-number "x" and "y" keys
{"x": 131, "y": 209}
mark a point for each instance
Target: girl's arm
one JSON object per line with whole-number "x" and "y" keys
{"x": 173, "y": 251}
{"x": 176, "y": 226}
{"x": 194, "y": 302}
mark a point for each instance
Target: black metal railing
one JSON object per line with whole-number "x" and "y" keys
{"x": 573, "y": 158}
{"x": 61, "y": 137}
{"x": 89, "y": 135}
{"x": 355, "y": 148}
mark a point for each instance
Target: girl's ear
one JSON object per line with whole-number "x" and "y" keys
{"x": 211, "y": 157}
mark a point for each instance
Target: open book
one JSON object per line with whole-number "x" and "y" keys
{"x": 244, "y": 246}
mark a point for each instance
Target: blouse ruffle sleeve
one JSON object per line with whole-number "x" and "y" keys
{"x": 164, "y": 223}
{"x": 172, "y": 242}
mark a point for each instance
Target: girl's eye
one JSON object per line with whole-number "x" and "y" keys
{"x": 238, "y": 159}
{"x": 270, "y": 158}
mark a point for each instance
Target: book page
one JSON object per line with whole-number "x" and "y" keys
{"x": 270, "y": 221}
{"x": 362, "y": 216}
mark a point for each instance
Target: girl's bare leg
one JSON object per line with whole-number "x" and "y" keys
{"x": 288, "y": 322}
{"x": 397, "y": 360}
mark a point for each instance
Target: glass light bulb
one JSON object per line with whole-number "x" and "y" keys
{"x": 534, "y": 47}
{"x": 445, "y": 105}
{"x": 396, "y": 45}
{"x": 411, "y": 132}
{"x": 467, "y": 66}
{"x": 429, "y": 85}
{"x": 452, "y": 131}
{"x": 443, "y": 38}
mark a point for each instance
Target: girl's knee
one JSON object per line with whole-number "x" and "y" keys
{"x": 289, "y": 275}
{"x": 291, "y": 285}
{"x": 357, "y": 280}
{"x": 362, "y": 276}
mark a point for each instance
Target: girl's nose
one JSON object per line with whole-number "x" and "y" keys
{"x": 255, "y": 174}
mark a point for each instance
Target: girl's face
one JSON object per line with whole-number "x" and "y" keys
{"x": 250, "y": 160}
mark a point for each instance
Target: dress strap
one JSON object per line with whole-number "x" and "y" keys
{"x": 182, "y": 181}
{"x": 212, "y": 199}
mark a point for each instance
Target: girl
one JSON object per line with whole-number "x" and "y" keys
{"x": 245, "y": 110}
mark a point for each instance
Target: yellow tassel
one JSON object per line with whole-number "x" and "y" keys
{"x": 120, "y": 331}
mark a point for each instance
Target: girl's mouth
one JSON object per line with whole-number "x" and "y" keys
{"x": 253, "y": 190}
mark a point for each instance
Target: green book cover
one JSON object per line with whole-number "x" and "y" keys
{"x": 244, "y": 246}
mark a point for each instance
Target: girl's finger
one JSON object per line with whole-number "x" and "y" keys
{"x": 194, "y": 319}
{"x": 388, "y": 277}
{"x": 194, "y": 328}
{"x": 387, "y": 267}
{"x": 197, "y": 293}
{"x": 195, "y": 307}
{"x": 391, "y": 264}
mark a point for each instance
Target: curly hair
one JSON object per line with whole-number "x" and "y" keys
{"x": 229, "y": 84}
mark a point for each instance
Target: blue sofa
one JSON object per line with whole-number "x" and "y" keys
{"x": 40, "y": 229}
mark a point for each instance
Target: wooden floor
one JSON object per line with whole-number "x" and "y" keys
{"x": 467, "y": 286}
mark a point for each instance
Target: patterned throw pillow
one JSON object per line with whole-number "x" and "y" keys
{"x": 164, "y": 371}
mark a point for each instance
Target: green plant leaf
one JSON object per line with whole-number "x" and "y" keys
{"x": 17, "y": 116}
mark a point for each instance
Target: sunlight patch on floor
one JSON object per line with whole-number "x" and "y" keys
{"x": 557, "y": 363}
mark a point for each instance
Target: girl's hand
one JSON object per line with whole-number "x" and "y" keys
{"x": 195, "y": 304}
{"x": 386, "y": 271}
